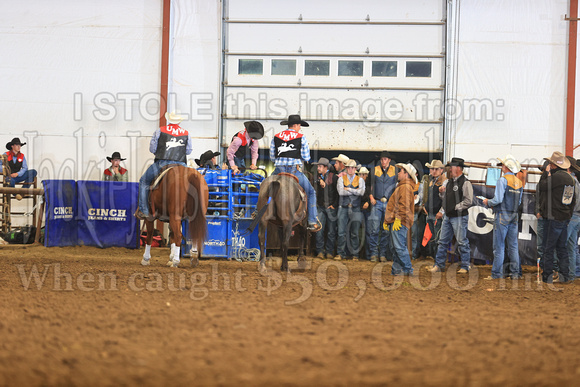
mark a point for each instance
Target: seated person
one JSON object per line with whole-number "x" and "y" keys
{"x": 19, "y": 172}
{"x": 115, "y": 172}
{"x": 208, "y": 160}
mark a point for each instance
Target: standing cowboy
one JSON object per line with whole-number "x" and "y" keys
{"x": 19, "y": 172}
{"x": 505, "y": 202}
{"x": 115, "y": 172}
{"x": 457, "y": 197}
{"x": 170, "y": 144}
{"x": 432, "y": 204}
{"x": 236, "y": 153}
{"x": 287, "y": 150}
{"x": 350, "y": 189}
{"x": 383, "y": 182}
{"x": 327, "y": 200}
{"x": 399, "y": 217}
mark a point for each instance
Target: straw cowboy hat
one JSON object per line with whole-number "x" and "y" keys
{"x": 511, "y": 163}
{"x": 173, "y": 117}
{"x": 342, "y": 158}
{"x": 559, "y": 160}
{"x": 435, "y": 164}
{"x": 410, "y": 169}
{"x": 115, "y": 155}
{"x": 15, "y": 141}
{"x": 294, "y": 119}
{"x": 350, "y": 163}
{"x": 255, "y": 129}
{"x": 363, "y": 170}
{"x": 205, "y": 156}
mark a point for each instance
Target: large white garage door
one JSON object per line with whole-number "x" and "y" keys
{"x": 368, "y": 75}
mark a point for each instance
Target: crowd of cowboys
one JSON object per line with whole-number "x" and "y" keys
{"x": 389, "y": 200}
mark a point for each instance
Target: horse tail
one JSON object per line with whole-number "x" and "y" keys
{"x": 273, "y": 190}
{"x": 197, "y": 202}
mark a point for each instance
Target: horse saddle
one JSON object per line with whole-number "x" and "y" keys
{"x": 302, "y": 192}
{"x": 162, "y": 173}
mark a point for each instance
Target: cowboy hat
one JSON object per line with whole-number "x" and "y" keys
{"x": 342, "y": 158}
{"x": 559, "y": 160}
{"x": 15, "y": 141}
{"x": 574, "y": 164}
{"x": 205, "y": 156}
{"x": 419, "y": 168}
{"x": 435, "y": 164}
{"x": 350, "y": 163}
{"x": 410, "y": 169}
{"x": 363, "y": 170}
{"x": 294, "y": 119}
{"x": 115, "y": 155}
{"x": 386, "y": 154}
{"x": 173, "y": 117}
{"x": 322, "y": 161}
{"x": 255, "y": 129}
{"x": 511, "y": 163}
{"x": 456, "y": 162}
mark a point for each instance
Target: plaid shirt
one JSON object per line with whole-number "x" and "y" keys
{"x": 286, "y": 161}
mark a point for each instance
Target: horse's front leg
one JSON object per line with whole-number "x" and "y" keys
{"x": 146, "y": 261}
{"x": 175, "y": 225}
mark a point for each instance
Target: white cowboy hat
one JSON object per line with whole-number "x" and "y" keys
{"x": 350, "y": 163}
{"x": 511, "y": 163}
{"x": 410, "y": 169}
{"x": 363, "y": 170}
{"x": 342, "y": 158}
{"x": 173, "y": 117}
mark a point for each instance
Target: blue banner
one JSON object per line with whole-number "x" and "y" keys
{"x": 105, "y": 214}
{"x": 60, "y": 217}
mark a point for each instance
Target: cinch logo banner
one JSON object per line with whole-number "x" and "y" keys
{"x": 105, "y": 214}
{"x": 91, "y": 213}
{"x": 60, "y": 209}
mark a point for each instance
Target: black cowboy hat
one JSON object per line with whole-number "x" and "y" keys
{"x": 255, "y": 129}
{"x": 419, "y": 168}
{"x": 456, "y": 162}
{"x": 15, "y": 141}
{"x": 574, "y": 164}
{"x": 205, "y": 156}
{"x": 294, "y": 119}
{"x": 116, "y": 155}
{"x": 386, "y": 154}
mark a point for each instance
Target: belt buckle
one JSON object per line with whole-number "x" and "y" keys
{"x": 350, "y": 205}
{"x": 384, "y": 200}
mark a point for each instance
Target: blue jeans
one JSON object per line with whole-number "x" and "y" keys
{"x": 454, "y": 226}
{"x": 146, "y": 180}
{"x": 27, "y": 177}
{"x": 505, "y": 227}
{"x": 349, "y": 222}
{"x": 435, "y": 227}
{"x": 572, "y": 244}
{"x": 401, "y": 258}
{"x": 540, "y": 244}
{"x": 304, "y": 183}
{"x": 328, "y": 219}
{"x": 366, "y": 214}
{"x": 379, "y": 239}
{"x": 240, "y": 163}
{"x": 555, "y": 238}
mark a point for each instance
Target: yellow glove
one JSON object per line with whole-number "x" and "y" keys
{"x": 385, "y": 226}
{"x": 397, "y": 224}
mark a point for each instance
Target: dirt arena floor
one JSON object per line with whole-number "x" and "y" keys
{"x": 88, "y": 316}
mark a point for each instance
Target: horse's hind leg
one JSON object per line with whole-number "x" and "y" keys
{"x": 262, "y": 240}
{"x": 301, "y": 260}
{"x": 146, "y": 261}
{"x": 285, "y": 241}
{"x": 175, "y": 225}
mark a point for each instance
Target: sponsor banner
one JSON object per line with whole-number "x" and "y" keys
{"x": 480, "y": 231}
{"x": 60, "y": 213}
{"x": 105, "y": 214}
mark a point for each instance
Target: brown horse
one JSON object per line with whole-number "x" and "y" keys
{"x": 182, "y": 194}
{"x": 286, "y": 208}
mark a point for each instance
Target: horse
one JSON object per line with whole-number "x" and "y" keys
{"x": 181, "y": 194}
{"x": 281, "y": 202}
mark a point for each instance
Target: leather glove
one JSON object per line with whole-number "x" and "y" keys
{"x": 397, "y": 224}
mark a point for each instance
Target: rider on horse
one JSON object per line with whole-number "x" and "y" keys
{"x": 287, "y": 149}
{"x": 170, "y": 144}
